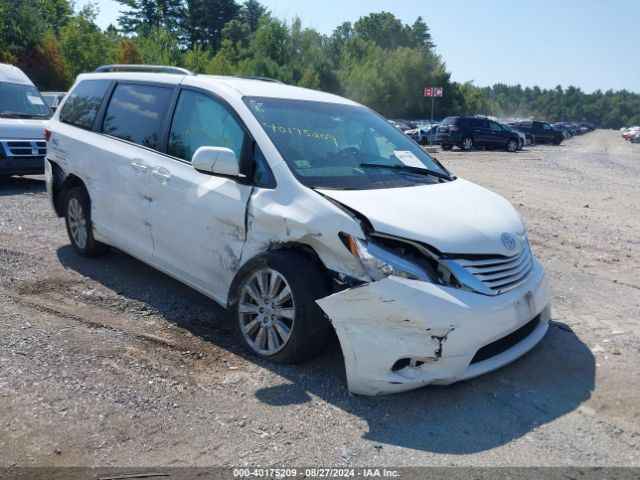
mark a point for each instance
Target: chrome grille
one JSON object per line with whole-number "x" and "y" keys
{"x": 24, "y": 148}
{"x": 500, "y": 274}
{"x": 493, "y": 275}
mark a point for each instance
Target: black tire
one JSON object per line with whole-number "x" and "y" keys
{"x": 557, "y": 141}
{"x": 467, "y": 143}
{"x": 310, "y": 329}
{"x": 512, "y": 145}
{"x": 446, "y": 146}
{"x": 423, "y": 141}
{"x": 78, "y": 198}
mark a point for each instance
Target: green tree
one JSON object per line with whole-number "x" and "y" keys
{"x": 251, "y": 12}
{"x": 385, "y": 30}
{"x": 144, "y": 15}
{"x": 23, "y": 26}
{"x": 56, "y": 13}
{"x": 204, "y": 21}
{"x": 197, "y": 59}
{"x": 83, "y": 44}
{"x": 159, "y": 47}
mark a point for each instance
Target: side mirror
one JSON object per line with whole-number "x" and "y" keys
{"x": 218, "y": 160}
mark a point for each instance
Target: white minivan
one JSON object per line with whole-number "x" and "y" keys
{"x": 23, "y": 115}
{"x": 301, "y": 212}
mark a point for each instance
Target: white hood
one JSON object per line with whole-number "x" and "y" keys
{"x": 17, "y": 128}
{"x": 453, "y": 217}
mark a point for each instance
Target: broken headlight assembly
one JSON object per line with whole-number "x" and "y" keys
{"x": 383, "y": 256}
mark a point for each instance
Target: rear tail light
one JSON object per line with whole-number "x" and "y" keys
{"x": 47, "y": 134}
{"x": 453, "y": 129}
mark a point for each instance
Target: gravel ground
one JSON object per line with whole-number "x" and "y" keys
{"x": 106, "y": 362}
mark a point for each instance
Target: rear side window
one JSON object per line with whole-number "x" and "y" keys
{"x": 83, "y": 103}
{"x": 136, "y": 112}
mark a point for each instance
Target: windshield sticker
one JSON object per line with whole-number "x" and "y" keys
{"x": 302, "y": 164}
{"x": 408, "y": 158}
{"x": 302, "y": 133}
{"x": 33, "y": 100}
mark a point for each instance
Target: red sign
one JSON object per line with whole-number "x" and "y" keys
{"x": 432, "y": 91}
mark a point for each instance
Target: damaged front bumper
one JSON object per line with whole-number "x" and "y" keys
{"x": 398, "y": 334}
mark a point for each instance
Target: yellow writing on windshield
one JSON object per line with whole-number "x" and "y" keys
{"x": 302, "y": 132}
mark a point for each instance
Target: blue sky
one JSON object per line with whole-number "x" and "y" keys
{"x": 586, "y": 43}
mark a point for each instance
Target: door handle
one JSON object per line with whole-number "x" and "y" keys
{"x": 138, "y": 165}
{"x": 161, "y": 174}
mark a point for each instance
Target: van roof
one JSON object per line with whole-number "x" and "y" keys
{"x": 11, "y": 74}
{"x": 253, "y": 87}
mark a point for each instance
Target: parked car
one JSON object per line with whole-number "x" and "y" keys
{"x": 470, "y": 132}
{"x": 53, "y": 99}
{"x": 23, "y": 115}
{"x": 285, "y": 205}
{"x": 521, "y": 134}
{"x": 543, "y": 132}
{"x": 424, "y": 135}
{"x": 562, "y": 127}
{"x": 630, "y": 133}
{"x": 401, "y": 125}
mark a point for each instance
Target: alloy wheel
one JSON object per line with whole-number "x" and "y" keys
{"x": 77, "y": 223}
{"x": 266, "y": 311}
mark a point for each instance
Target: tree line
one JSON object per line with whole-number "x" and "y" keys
{"x": 378, "y": 60}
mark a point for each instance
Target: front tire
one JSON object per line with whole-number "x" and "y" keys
{"x": 446, "y": 146}
{"x": 77, "y": 215}
{"x": 512, "y": 146}
{"x": 273, "y": 310}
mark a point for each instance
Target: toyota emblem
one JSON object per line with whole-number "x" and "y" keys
{"x": 509, "y": 241}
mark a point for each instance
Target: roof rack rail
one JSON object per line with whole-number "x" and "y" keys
{"x": 143, "y": 68}
{"x": 263, "y": 79}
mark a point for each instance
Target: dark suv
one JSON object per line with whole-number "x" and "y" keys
{"x": 470, "y": 132}
{"x": 543, "y": 132}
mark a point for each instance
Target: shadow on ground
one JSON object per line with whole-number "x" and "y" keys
{"x": 472, "y": 416}
{"x": 21, "y": 185}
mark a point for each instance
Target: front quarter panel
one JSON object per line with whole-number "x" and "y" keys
{"x": 294, "y": 214}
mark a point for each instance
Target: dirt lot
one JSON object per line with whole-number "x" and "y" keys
{"x": 108, "y": 362}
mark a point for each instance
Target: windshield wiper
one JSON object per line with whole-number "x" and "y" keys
{"x": 21, "y": 115}
{"x": 409, "y": 168}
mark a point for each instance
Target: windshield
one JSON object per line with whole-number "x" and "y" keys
{"x": 329, "y": 145}
{"x": 22, "y": 101}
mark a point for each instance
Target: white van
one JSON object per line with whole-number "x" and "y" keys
{"x": 23, "y": 115}
{"x": 299, "y": 211}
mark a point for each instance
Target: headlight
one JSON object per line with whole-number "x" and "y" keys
{"x": 380, "y": 261}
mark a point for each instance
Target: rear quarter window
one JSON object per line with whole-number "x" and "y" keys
{"x": 83, "y": 103}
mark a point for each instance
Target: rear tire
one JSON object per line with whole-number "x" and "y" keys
{"x": 77, "y": 216}
{"x": 273, "y": 310}
{"x": 446, "y": 146}
{"x": 467, "y": 144}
